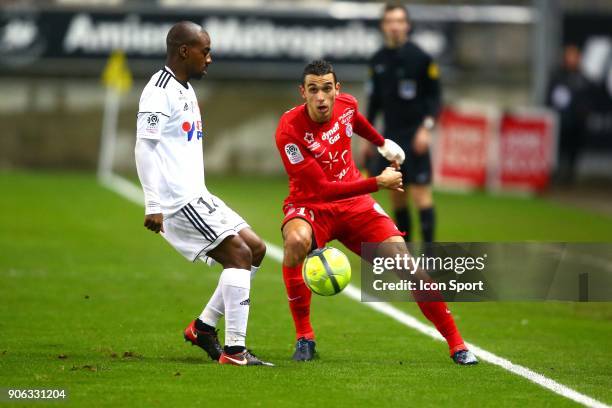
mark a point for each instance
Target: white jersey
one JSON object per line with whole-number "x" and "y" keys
{"x": 169, "y": 112}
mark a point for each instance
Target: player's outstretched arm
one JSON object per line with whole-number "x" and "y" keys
{"x": 389, "y": 179}
{"x": 312, "y": 175}
{"x": 149, "y": 176}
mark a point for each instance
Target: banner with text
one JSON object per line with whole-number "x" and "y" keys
{"x": 526, "y": 151}
{"x": 462, "y": 148}
{"x": 244, "y": 41}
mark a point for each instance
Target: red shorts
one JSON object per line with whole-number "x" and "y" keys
{"x": 350, "y": 221}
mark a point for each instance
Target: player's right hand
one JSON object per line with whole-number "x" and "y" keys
{"x": 390, "y": 179}
{"x": 154, "y": 222}
{"x": 392, "y": 151}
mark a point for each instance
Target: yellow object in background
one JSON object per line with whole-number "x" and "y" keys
{"x": 117, "y": 74}
{"x": 433, "y": 71}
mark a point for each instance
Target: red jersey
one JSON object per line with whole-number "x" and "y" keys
{"x": 318, "y": 157}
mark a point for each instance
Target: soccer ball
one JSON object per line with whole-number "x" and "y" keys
{"x": 326, "y": 271}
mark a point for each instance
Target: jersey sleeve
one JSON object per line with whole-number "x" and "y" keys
{"x": 361, "y": 125}
{"x": 365, "y": 129}
{"x": 432, "y": 97}
{"x": 153, "y": 113}
{"x": 302, "y": 167}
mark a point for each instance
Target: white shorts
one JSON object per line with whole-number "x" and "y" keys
{"x": 201, "y": 226}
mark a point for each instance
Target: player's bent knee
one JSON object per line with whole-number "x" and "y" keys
{"x": 392, "y": 246}
{"x": 258, "y": 251}
{"x": 233, "y": 252}
{"x": 245, "y": 255}
{"x": 298, "y": 241}
{"x": 297, "y": 244}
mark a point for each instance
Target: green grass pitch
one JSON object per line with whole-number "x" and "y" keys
{"x": 92, "y": 302}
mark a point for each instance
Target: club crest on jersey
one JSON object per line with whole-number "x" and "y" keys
{"x": 192, "y": 127}
{"x": 293, "y": 153}
{"x": 331, "y": 135}
{"x": 349, "y": 130}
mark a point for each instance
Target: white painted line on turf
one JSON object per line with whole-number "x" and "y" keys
{"x": 123, "y": 187}
{"x": 128, "y": 190}
{"x": 548, "y": 383}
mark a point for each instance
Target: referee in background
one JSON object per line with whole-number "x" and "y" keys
{"x": 404, "y": 85}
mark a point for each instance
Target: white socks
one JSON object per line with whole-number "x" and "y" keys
{"x": 254, "y": 270}
{"x": 235, "y": 286}
{"x": 215, "y": 308}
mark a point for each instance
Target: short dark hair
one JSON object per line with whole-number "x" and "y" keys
{"x": 395, "y": 6}
{"x": 319, "y": 68}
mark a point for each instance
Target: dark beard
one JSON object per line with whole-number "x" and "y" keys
{"x": 198, "y": 75}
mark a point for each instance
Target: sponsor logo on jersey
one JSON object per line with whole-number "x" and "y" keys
{"x": 333, "y": 158}
{"x": 331, "y": 135}
{"x": 293, "y": 153}
{"x": 314, "y": 146}
{"x": 192, "y": 127}
{"x": 343, "y": 173}
{"x": 320, "y": 154}
{"x": 347, "y": 116}
{"x": 342, "y": 156}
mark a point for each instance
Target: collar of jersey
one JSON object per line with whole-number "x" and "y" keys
{"x": 168, "y": 70}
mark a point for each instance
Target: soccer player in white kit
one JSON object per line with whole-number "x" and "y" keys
{"x": 195, "y": 222}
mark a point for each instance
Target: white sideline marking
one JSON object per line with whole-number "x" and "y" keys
{"x": 131, "y": 192}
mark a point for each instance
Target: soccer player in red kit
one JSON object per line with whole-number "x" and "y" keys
{"x": 328, "y": 199}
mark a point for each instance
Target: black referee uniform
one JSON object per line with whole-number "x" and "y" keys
{"x": 404, "y": 85}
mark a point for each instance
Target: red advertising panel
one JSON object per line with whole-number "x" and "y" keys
{"x": 526, "y": 151}
{"x": 462, "y": 148}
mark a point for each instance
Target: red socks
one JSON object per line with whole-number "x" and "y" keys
{"x": 441, "y": 317}
{"x": 299, "y": 297}
{"x": 299, "y": 301}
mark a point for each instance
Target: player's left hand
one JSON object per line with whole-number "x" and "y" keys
{"x": 154, "y": 222}
{"x": 421, "y": 141}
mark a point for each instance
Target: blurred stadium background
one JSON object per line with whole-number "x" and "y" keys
{"x": 494, "y": 55}
{"x": 75, "y": 260}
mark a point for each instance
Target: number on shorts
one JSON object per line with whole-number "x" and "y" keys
{"x": 210, "y": 209}
{"x": 302, "y": 211}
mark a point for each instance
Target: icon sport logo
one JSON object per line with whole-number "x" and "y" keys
{"x": 189, "y": 128}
